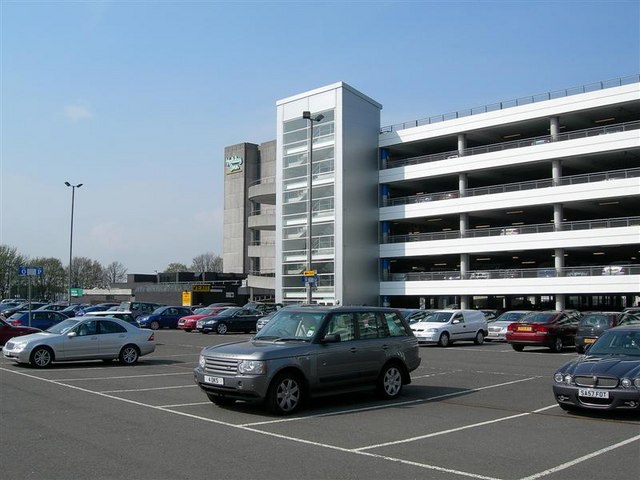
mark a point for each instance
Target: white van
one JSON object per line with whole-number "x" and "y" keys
{"x": 447, "y": 326}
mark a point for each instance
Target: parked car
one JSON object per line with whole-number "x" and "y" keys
{"x": 126, "y": 316}
{"x": 223, "y": 304}
{"x": 233, "y": 319}
{"x": 498, "y": 327}
{"x": 57, "y": 306}
{"x": 7, "y": 312}
{"x": 8, "y": 331}
{"x": 264, "y": 307}
{"x": 17, "y": 301}
{"x": 414, "y": 315}
{"x": 82, "y": 338}
{"x": 190, "y": 322}
{"x": 138, "y": 308}
{"x": 310, "y": 351}
{"x": 592, "y": 324}
{"x": 262, "y": 321}
{"x": 163, "y": 317}
{"x": 73, "y": 309}
{"x": 616, "y": 268}
{"x": 607, "y": 377}
{"x": 100, "y": 307}
{"x": 552, "y": 329}
{"x": 447, "y": 326}
{"x": 41, "y": 319}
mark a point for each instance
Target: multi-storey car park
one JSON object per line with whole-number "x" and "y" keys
{"x": 528, "y": 203}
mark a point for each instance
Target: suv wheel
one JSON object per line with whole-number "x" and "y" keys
{"x": 390, "y": 382}
{"x": 285, "y": 394}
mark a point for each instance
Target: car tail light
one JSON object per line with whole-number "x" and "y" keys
{"x": 540, "y": 329}
{"x": 511, "y": 327}
{"x": 152, "y": 338}
{"x": 16, "y": 323}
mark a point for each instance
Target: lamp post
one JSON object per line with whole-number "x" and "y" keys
{"x": 307, "y": 116}
{"x": 73, "y": 197}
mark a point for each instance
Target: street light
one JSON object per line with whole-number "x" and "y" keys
{"x": 307, "y": 116}
{"x": 73, "y": 197}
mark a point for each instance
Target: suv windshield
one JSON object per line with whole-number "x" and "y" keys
{"x": 292, "y": 325}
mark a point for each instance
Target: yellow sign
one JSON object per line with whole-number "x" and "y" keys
{"x": 186, "y": 298}
{"x": 310, "y": 273}
{"x": 201, "y": 288}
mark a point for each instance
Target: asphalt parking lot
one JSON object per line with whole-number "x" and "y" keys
{"x": 483, "y": 412}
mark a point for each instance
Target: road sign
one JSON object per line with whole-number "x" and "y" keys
{"x": 30, "y": 271}
{"x": 310, "y": 279}
{"x": 310, "y": 273}
{"x": 76, "y": 292}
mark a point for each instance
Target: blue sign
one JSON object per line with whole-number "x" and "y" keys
{"x": 30, "y": 271}
{"x": 311, "y": 280}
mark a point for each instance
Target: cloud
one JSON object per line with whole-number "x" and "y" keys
{"x": 77, "y": 112}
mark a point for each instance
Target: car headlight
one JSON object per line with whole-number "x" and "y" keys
{"x": 252, "y": 367}
{"x": 558, "y": 377}
{"x": 568, "y": 379}
{"x": 431, "y": 330}
{"x": 201, "y": 361}
{"x": 211, "y": 322}
{"x": 636, "y": 382}
{"x": 626, "y": 382}
{"x": 18, "y": 347}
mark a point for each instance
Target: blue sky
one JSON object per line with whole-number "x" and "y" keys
{"x": 137, "y": 99}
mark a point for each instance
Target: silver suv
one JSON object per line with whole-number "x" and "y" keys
{"x": 312, "y": 351}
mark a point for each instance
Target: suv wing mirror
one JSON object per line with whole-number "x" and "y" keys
{"x": 331, "y": 338}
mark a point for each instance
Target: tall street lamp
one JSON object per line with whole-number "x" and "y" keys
{"x": 73, "y": 197}
{"x": 307, "y": 116}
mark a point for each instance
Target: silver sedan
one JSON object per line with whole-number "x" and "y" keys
{"x": 85, "y": 338}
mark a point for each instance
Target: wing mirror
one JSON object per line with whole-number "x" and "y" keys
{"x": 331, "y": 338}
{"x": 72, "y": 334}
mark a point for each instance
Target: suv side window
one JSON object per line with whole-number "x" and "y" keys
{"x": 395, "y": 325}
{"x": 367, "y": 325}
{"x": 342, "y": 324}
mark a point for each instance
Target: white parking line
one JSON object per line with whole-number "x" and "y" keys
{"x": 388, "y": 405}
{"x": 452, "y": 430}
{"x": 145, "y": 389}
{"x": 582, "y": 459}
{"x": 323, "y": 445}
{"x": 185, "y": 405}
{"x": 119, "y": 378}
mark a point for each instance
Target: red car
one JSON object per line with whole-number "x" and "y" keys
{"x": 188, "y": 323}
{"x": 552, "y": 329}
{"x": 8, "y": 331}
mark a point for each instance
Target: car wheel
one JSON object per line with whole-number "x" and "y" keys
{"x": 479, "y": 340}
{"x": 443, "y": 341}
{"x": 220, "y": 400}
{"x": 129, "y": 355}
{"x": 154, "y": 325}
{"x": 221, "y": 328}
{"x": 556, "y": 346}
{"x": 518, "y": 348}
{"x": 41, "y": 357}
{"x": 285, "y": 394}
{"x": 390, "y": 382}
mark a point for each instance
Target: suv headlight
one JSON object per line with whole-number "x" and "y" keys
{"x": 252, "y": 367}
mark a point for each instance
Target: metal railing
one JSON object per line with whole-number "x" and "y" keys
{"x": 541, "y": 97}
{"x": 497, "y": 147}
{"x": 515, "y": 230}
{"x": 515, "y": 187}
{"x": 583, "y": 271}
{"x": 262, "y": 273}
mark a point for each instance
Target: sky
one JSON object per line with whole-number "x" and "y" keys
{"x": 137, "y": 100}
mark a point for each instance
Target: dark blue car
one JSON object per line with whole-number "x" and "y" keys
{"x": 163, "y": 317}
{"x": 41, "y": 319}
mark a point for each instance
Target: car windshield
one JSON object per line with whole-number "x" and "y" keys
{"x": 537, "y": 317}
{"x": 63, "y": 327}
{"x": 437, "y": 317}
{"x": 228, "y": 312}
{"x": 510, "y": 316}
{"x": 292, "y": 325}
{"x": 617, "y": 342}
{"x": 595, "y": 321}
{"x": 629, "y": 319}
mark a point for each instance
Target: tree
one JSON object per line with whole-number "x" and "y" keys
{"x": 51, "y": 285}
{"x": 176, "y": 267}
{"x": 86, "y": 273}
{"x": 207, "y": 262}
{"x": 10, "y": 281}
{"x": 115, "y": 272}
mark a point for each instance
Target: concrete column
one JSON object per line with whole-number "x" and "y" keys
{"x": 556, "y": 172}
{"x": 464, "y": 224}
{"x": 465, "y": 302}
{"x": 559, "y": 265}
{"x": 462, "y": 144}
{"x": 557, "y": 216}
{"x": 384, "y": 158}
{"x": 554, "y": 128}
{"x": 463, "y": 180}
{"x": 464, "y": 264}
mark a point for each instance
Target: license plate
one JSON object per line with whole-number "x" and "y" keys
{"x": 589, "y": 340}
{"x": 591, "y": 393}
{"x": 524, "y": 329}
{"x": 213, "y": 380}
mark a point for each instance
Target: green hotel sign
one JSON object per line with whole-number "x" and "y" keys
{"x": 76, "y": 292}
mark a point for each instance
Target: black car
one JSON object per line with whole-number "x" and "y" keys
{"x": 592, "y": 324}
{"x": 607, "y": 377}
{"x": 233, "y": 319}
{"x": 7, "y": 312}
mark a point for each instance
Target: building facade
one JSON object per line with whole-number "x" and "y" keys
{"x": 528, "y": 203}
